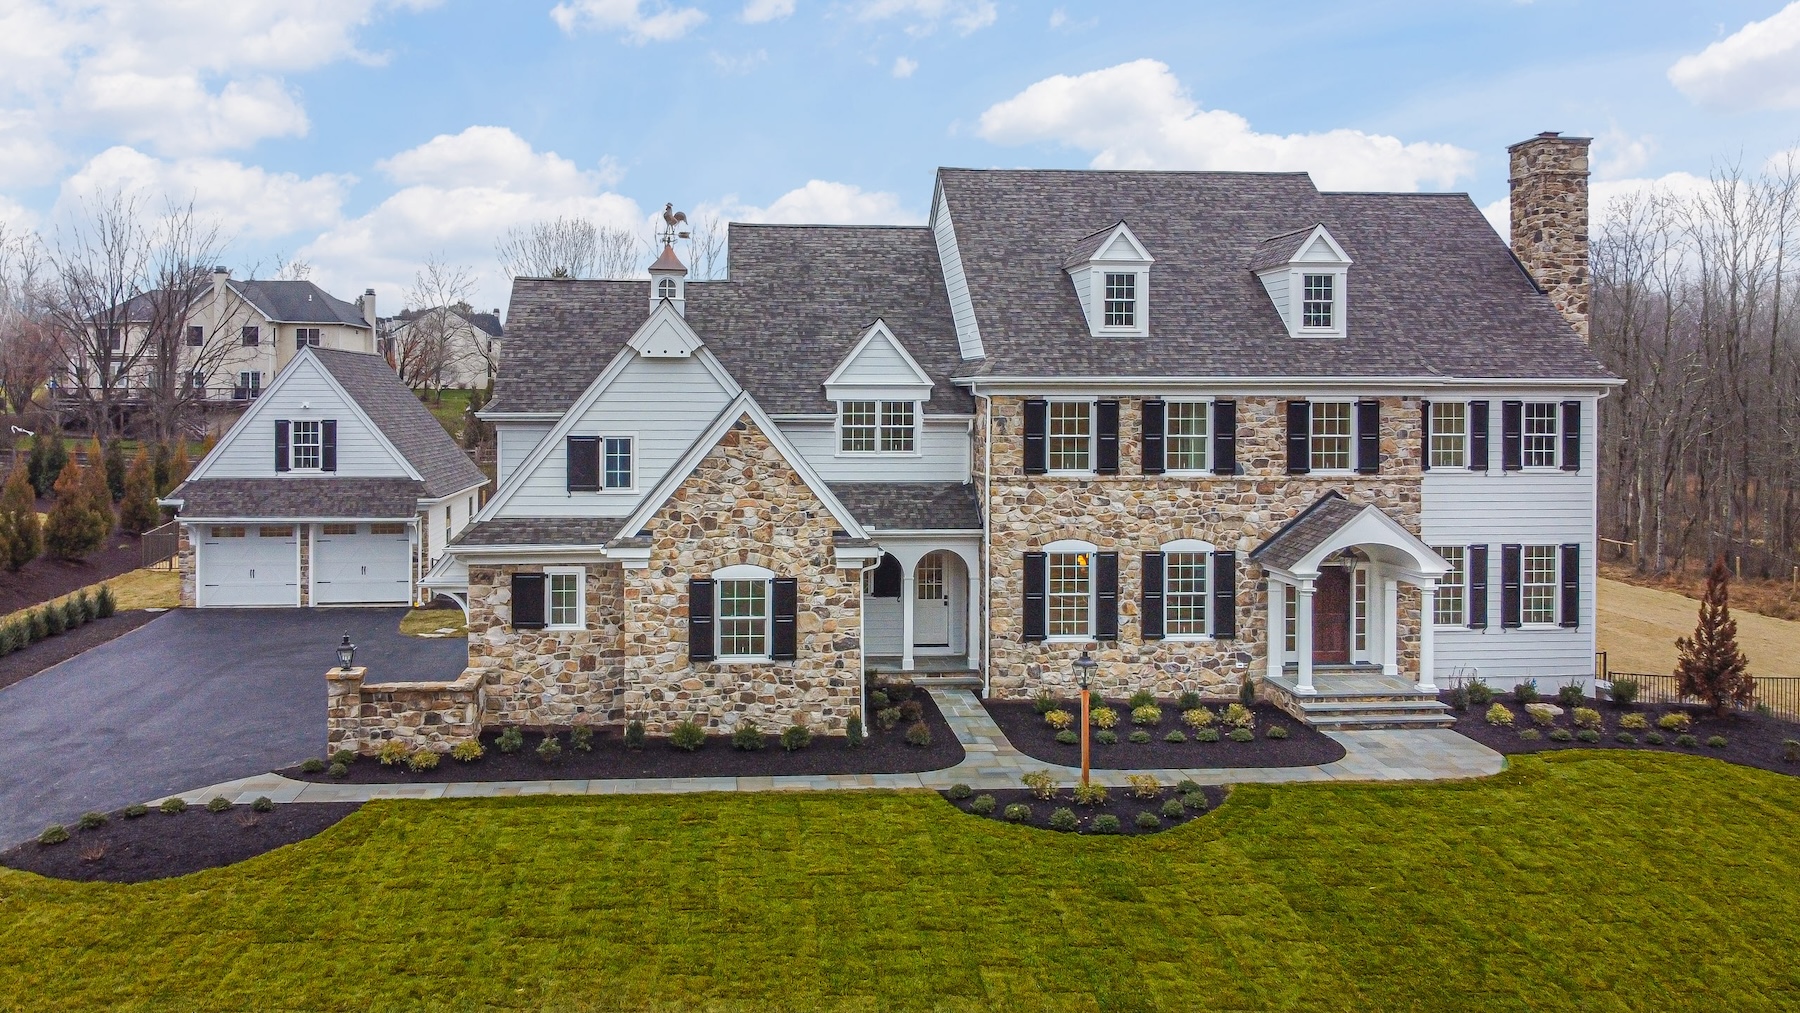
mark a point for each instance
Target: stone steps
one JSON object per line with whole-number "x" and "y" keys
{"x": 1359, "y": 710}
{"x": 1359, "y": 722}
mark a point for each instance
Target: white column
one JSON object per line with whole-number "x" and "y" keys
{"x": 1427, "y": 634}
{"x": 1277, "y": 627}
{"x": 1390, "y": 625}
{"x": 970, "y": 643}
{"x": 906, "y": 621}
{"x": 1303, "y": 636}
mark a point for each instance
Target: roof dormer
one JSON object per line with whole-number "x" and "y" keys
{"x": 668, "y": 281}
{"x": 1111, "y": 273}
{"x": 1306, "y": 274}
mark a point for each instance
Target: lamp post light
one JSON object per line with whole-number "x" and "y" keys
{"x": 1084, "y": 672}
{"x": 346, "y": 653}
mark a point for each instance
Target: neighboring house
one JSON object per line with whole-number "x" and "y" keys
{"x": 446, "y": 346}
{"x": 335, "y": 487}
{"x": 1198, "y": 426}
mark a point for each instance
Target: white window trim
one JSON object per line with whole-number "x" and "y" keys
{"x": 1463, "y": 621}
{"x": 1431, "y": 434}
{"x": 1188, "y": 545}
{"x": 1310, "y": 415}
{"x": 1556, "y": 437}
{"x": 751, "y": 572}
{"x": 1093, "y": 440}
{"x": 1555, "y": 588}
{"x": 294, "y": 446}
{"x": 1339, "y": 303}
{"x": 627, "y": 490}
{"x": 918, "y": 427}
{"x": 1206, "y": 442}
{"x": 580, "y": 574}
{"x": 1066, "y": 547}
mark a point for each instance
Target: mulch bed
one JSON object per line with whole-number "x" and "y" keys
{"x": 1026, "y": 729}
{"x": 157, "y": 845}
{"x": 882, "y": 752}
{"x": 45, "y": 578}
{"x": 1752, "y": 740}
{"x": 55, "y": 650}
{"x": 1120, "y": 802}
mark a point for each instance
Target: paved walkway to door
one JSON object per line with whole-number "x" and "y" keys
{"x": 1417, "y": 754}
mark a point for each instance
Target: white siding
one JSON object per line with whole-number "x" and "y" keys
{"x": 879, "y": 363}
{"x": 1462, "y": 507}
{"x": 249, "y": 452}
{"x": 956, "y": 284}
{"x": 665, "y": 404}
{"x": 1082, "y": 278}
{"x": 513, "y": 443}
{"x": 1276, "y": 284}
{"x": 883, "y": 625}
{"x": 943, "y": 454}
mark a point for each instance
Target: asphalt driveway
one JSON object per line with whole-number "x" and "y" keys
{"x": 191, "y": 699}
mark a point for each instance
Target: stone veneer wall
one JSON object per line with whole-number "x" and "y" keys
{"x": 184, "y": 561}
{"x": 546, "y": 677}
{"x": 1131, "y": 513}
{"x": 424, "y": 715}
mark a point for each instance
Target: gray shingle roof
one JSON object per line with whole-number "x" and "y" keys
{"x": 300, "y": 302}
{"x": 912, "y": 506}
{"x": 1085, "y": 249}
{"x": 1278, "y": 250}
{"x": 1306, "y": 532}
{"x": 541, "y": 531}
{"x": 299, "y": 498}
{"x": 406, "y": 423}
{"x": 1433, "y": 290}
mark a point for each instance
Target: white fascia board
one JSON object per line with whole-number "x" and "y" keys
{"x": 298, "y": 519}
{"x": 487, "y": 416}
{"x": 855, "y": 557}
{"x": 1325, "y": 385}
{"x": 878, "y": 329}
{"x": 1373, "y": 527}
{"x": 666, "y": 334}
{"x": 529, "y": 553}
{"x": 447, "y": 497}
{"x": 1321, "y": 232}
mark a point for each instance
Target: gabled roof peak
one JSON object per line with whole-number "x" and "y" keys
{"x": 1105, "y": 244}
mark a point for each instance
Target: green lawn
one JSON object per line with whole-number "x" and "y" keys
{"x": 1584, "y": 881}
{"x": 449, "y": 406}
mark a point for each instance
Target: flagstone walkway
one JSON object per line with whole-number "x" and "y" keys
{"x": 1413, "y": 754}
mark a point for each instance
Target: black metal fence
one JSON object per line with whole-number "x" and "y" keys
{"x": 161, "y": 544}
{"x": 1778, "y": 694}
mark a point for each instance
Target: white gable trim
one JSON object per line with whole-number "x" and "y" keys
{"x": 665, "y": 335}
{"x": 742, "y": 406}
{"x": 916, "y": 387}
{"x": 1320, "y": 233}
{"x": 255, "y": 412}
{"x": 956, "y": 281}
{"x": 1369, "y": 528}
{"x": 1139, "y": 255}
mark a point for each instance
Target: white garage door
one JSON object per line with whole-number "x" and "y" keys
{"x": 248, "y": 565}
{"x": 362, "y": 564}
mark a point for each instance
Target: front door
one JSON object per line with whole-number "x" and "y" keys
{"x": 931, "y": 605}
{"x": 1331, "y": 616}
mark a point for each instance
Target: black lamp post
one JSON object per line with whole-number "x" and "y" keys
{"x": 1084, "y": 672}
{"x": 346, "y": 653}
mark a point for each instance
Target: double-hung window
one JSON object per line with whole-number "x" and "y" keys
{"x": 1537, "y": 588}
{"x": 1185, "y": 592}
{"x": 1449, "y": 436}
{"x": 1071, "y": 435}
{"x": 305, "y": 446}
{"x": 1452, "y": 587}
{"x": 563, "y": 596}
{"x": 1332, "y": 435}
{"x": 743, "y": 610}
{"x": 1542, "y": 434}
{"x": 196, "y": 336}
{"x": 1185, "y": 435}
{"x": 1318, "y": 301}
{"x": 1069, "y": 599}
{"x": 305, "y": 337}
{"x": 1121, "y": 299}
{"x": 616, "y": 462}
{"x": 251, "y": 336}
{"x": 868, "y": 427}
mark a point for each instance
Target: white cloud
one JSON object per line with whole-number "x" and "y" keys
{"x": 1617, "y": 154}
{"x": 924, "y": 16}
{"x": 179, "y": 113}
{"x": 758, "y": 11}
{"x": 1758, "y": 66}
{"x": 1603, "y": 195}
{"x": 740, "y": 63}
{"x": 243, "y": 199}
{"x": 659, "y": 23}
{"x": 492, "y": 157}
{"x": 820, "y": 202}
{"x": 903, "y": 67}
{"x": 1137, "y": 116}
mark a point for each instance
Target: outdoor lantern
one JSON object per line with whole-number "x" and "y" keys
{"x": 1084, "y": 669}
{"x": 346, "y": 653}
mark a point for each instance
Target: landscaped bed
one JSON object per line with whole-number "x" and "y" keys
{"x": 132, "y": 846}
{"x": 883, "y": 751}
{"x": 1144, "y": 808}
{"x": 1032, "y": 729}
{"x": 29, "y": 661}
{"x": 46, "y": 578}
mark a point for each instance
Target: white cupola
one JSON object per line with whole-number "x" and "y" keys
{"x": 668, "y": 281}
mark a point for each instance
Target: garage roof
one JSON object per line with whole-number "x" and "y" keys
{"x": 299, "y": 498}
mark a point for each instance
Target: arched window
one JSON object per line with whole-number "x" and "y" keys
{"x": 665, "y": 289}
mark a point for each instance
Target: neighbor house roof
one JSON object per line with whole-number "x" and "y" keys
{"x": 298, "y": 302}
{"x": 912, "y": 506}
{"x": 299, "y": 498}
{"x": 541, "y": 531}
{"x": 406, "y": 423}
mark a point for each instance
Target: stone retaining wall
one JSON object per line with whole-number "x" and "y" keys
{"x": 430, "y": 715}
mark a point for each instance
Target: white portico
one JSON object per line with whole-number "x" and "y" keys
{"x": 921, "y": 600}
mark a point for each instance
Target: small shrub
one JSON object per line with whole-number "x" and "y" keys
{"x": 173, "y": 806}
{"x": 1107, "y": 824}
{"x": 85, "y": 602}
{"x": 1171, "y": 810}
{"x": 1138, "y": 737}
{"x": 1276, "y": 732}
{"x": 263, "y": 804}
{"x": 1653, "y": 739}
{"x": 1542, "y": 713}
{"x": 1176, "y": 736}
{"x": 1041, "y": 782}
{"x": 344, "y": 756}
{"x": 337, "y": 770}
{"x": 1064, "y": 819}
{"x": 1790, "y": 750}
{"x": 878, "y": 699}
{"x": 634, "y": 735}
{"x": 1675, "y": 721}
{"x": 1571, "y": 695}
{"x": 1716, "y": 742}
{"x": 687, "y": 737}
{"x": 53, "y": 834}
{"x": 899, "y": 692}
{"x": 91, "y": 821}
{"x": 312, "y": 765}
{"x": 1585, "y": 717}
{"x": 1625, "y": 691}
{"x": 1239, "y": 716}
{"x": 1459, "y": 700}
{"x": 1207, "y": 735}
{"x": 1043, "y": 703}
{"x": 1247, "y": 691}
{"x": 1686, "y": 740}
{"x": 54, "y": 620}
{"x": 1187, "y": 701}
{"x": 1148, "y": 820}
{"x": 423, "y": 759}
{"x": 983, "y": 805}
{"x": 1067, "y": 737}
{"x": 549, "y": 749}
{"x": 1018, "y": 812}
{"x": 1242, "y": 735}
{"x": 1194, "y": 800}
{"x": 1103, "y": 717}
{"x": 1530, "y": 734}
{"x": 1148, "y": 714}
{"x": 1059, "y": 719}
{"x": 887, "y": 717}
{"x": 467, "y": 751}
{"x": 104, "y": 602}
{"x": 1142, "y": 698}
{"x": 1198, "y": 717}
{"x": 1107, "y": 737}
{"x": 961, "y": 791}
{"x": 1561, "y": 735}
{"x": 912, "y": 710}
{"x": 919, "y": 734}
{"x": 393, "y": 752}
{"x": 581, "y": 739}
{"x": 73, "y": 616}
{"x": 1499, "y": 715}
{"x": 1625, "y": 738}
{"x": 1588, "y": 735}
{"x": 1144, "y": 785}
{"x": 511, "y": 740}
{"x": 748, "y": 738}
{"x": 853, "y": 733}
{"x": 218, "y": 804}
{"x": 1186, "y": 785}
{"x": 36, "y": 626}
{"x": 1526, "y": 692}
{"x": 1634, "y": 722}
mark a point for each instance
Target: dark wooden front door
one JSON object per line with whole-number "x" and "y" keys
{"x": 1331, "y": 616}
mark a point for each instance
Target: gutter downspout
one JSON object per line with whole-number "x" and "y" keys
{"x": 987, "y": 566}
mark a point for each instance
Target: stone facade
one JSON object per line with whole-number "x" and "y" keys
{"x": 184, "y": 561}
{"x": 1550, "y": 220}
{"x": 546, "y": 677}
{"x": 1131, "y": 513}
{"x": 424, "y": 715}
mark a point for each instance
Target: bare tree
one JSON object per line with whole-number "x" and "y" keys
{"x": 27, "y": 348}
{"x": 101, "y": 265}
{"x": 706, "y": 247}
{"x": 190, "y": 323}
{"x": 568, "y": 248}
{"x": 435, "y": 337}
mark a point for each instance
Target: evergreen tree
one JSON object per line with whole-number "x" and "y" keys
{"x": 21, "y": 534}
{"x": 115, "y": 470}
{"x": 48, "y": 455}
{"x": 74, "y": 528}
{"x": 138, "y": 511}
{"x": 99, "y": 498}
{"x": 178, "y": 467}
{"x": 1711, "y": 667}
{"x": 159, "y": 468}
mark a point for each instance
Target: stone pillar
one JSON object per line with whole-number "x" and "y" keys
{"x": 1390, "y": 624}
{"x": 1550, "y": 220}
{"x": 1303, "y": 636}
{"x": 906, "y": 621}
{"x": 1427, "y": 628}
{"x": 1277, "y": 628}
{"x": 343, "y": 708}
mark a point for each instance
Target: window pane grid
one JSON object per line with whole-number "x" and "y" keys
{"x": 1316, "y": 301}
{"x": 858, "y": 426}
{"x": 565, "y": 599}
{"x": 305, "y": 445}
{"x": 1450, "y": 590}
{"x": 618, "y": 462}
{"x": 1331, "y": 436}
{"x": 897, "y": 427}
{"x": 1069, "y": 431}
{"x": 1185, "y": 432}
{"x": 1121, "y": 300}
{"x": 1359, "y": 609}
{"x": 1540, "y": 435}
{"x": 1291, "y": 621}
{"x": 1068, "y": 596}
{"x": 1184, "y": 594}
{"x": 1538, "y": 593}
{"x": 1449, "y": 434}
{"x": 743, "y": 618}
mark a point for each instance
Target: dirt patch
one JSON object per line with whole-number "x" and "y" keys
{"x": 1030, "y": 734}
{"x": 60, "y": 648}
{"x": 882, "y": 752}
{"x": 1120, "y": 802}
{"x": 44, "y": 578}
{"x": 1751, "y": 739}
{"x": 1638, "y": 627}
{"x": 1777, "y": 599}
{"x": 157, "y": 845}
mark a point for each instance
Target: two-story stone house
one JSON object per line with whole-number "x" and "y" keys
{"x": 1201, "y": 426}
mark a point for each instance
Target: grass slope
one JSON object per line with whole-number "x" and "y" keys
{"x": 1580, "y": 881}
{"x": 1638, "y": 626}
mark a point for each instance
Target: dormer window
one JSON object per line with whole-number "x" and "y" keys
{"x": 1110, "y": 270}
{"x": 1306, "y": 273}
{"x": 1121, "y": 299}
{"x": 1317, "y": 301}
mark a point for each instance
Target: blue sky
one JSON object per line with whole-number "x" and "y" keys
{"x": 363, "y": 136}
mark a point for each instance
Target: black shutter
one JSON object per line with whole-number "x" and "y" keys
{"x": 784, "y": 639}
{"x": 1571, "y": 436}
{"x": 1424, "y": 435}
{"x": 1036, "y": 576}
{"x": 1571, "y": 586}
{"x": 1478, "y": 435}
{"x": 1299, "y": 437}
{"x": 1224, "y": 603}
{"x": 1476, "y": 565}
{"x": 1511, "y": 593}
{"x": 1106, "y": 596}
{"x": 1224, "y": 438}
{"x": 1151, "y": 446}
{"x": 1368, "y": 437}
{"x": 583, "y": 464}
{"x": 1106, "y": 437}
{"x": 1152, "y": 605}
{"x": 328, "y": 445}
{"x": 528, "y": 601}
{"x": 281, "y": 444}
{"x": 1037, "y": 444}
{"x": 701, "y": 644}
{"x": 1512, "y": 435}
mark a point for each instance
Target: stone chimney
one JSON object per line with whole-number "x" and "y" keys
{"x": 1550, "y": 220}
